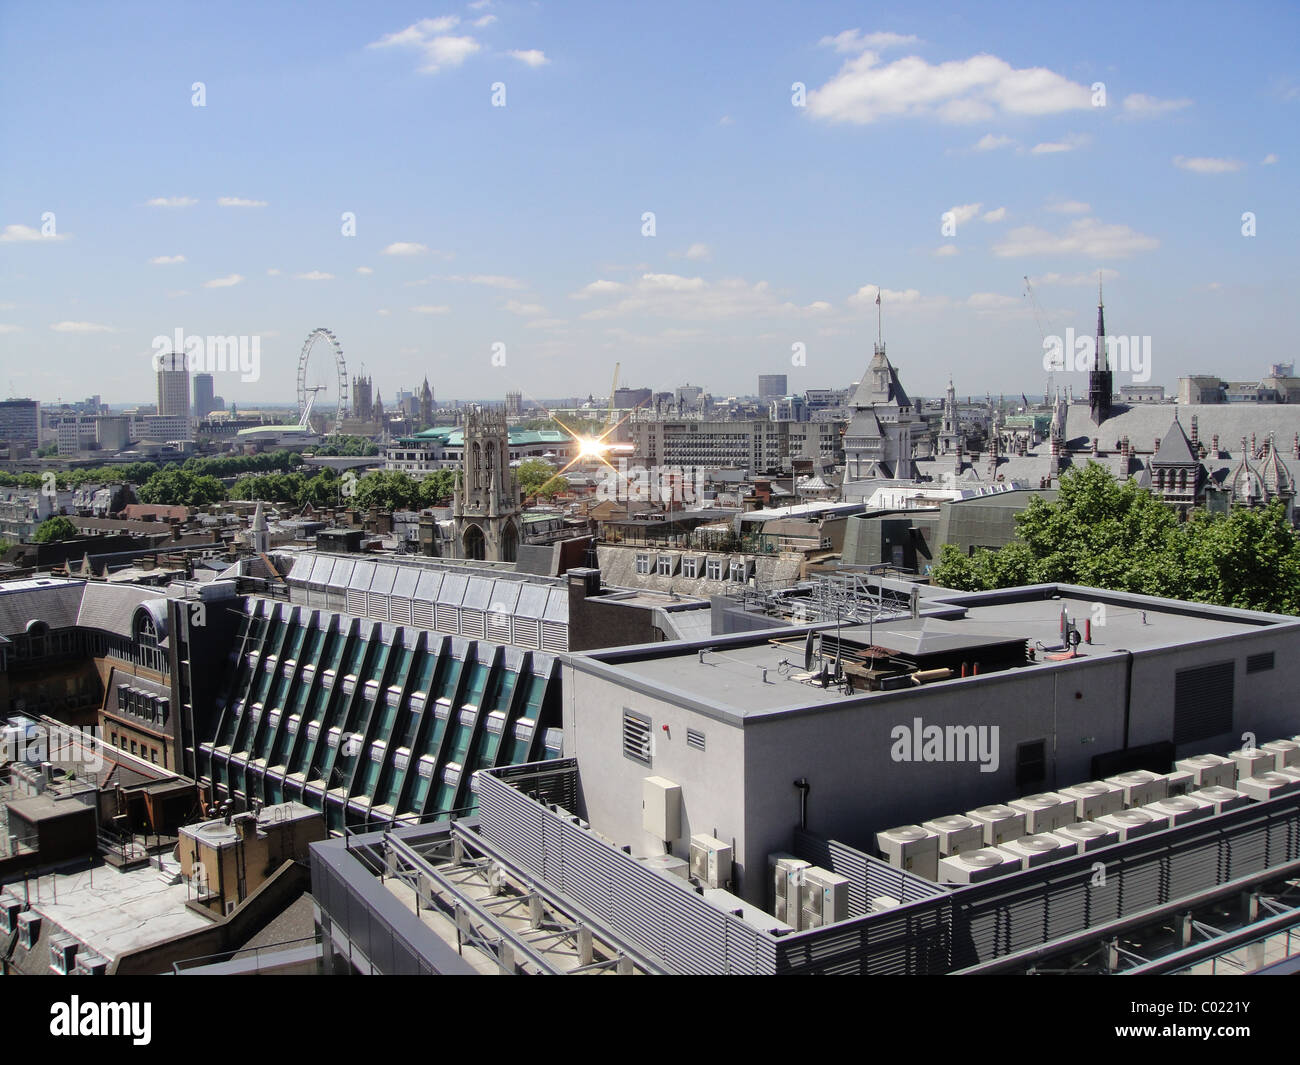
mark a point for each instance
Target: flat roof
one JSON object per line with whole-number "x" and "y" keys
{"x": 748, "y": 676}
{"x": 113, "y": 912}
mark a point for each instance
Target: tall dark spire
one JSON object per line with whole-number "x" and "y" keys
{"x": 1100, "y": 380}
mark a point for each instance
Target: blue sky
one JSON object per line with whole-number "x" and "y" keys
{"x": 521, "y": 225}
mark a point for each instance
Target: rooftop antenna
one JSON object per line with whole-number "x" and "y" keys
{"x": 880, "y": 328}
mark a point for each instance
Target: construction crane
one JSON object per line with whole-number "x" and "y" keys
{"x": 1038, "y": 318}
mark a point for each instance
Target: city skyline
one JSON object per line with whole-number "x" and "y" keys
{"x": 501, "y": 248}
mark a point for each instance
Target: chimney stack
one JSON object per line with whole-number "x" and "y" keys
{"x": 1196, "y": 439}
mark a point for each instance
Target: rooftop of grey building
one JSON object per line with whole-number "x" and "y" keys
{"x": 758, "y": 674}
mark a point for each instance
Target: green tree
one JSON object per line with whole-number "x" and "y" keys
{"x": 436, "y": 488}
{"x": 557, "y": 485}
{"x": 55, "y": 528}
{"x": 532, "y": 474}
{"x": 388, "y": 490}
{"x": 1104, "y": 534}
{"x": 181, "y": 487}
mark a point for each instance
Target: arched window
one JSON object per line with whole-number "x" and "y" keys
{"x": 475, "y": 546}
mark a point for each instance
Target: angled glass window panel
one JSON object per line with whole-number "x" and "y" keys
{"x": 408, "y": 579}
{"x": 474, "y": 684}
{"x": 505, "y": 596}
{"x": 362, "y": 574}
{"x": 478, "y": 594}
{"x": 428, "y": 586}
{"x": 383, "y": 580}
{"x": 521, "y": 740}
{"x": 453, "y": 589}
{"x": 532, "y": 601}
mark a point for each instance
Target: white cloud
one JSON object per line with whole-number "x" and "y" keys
{"x": 909, "y": 297}
{"x": 989, "y": 142}
{"x": 17, "y": 234}
{"x": 855, "y": 40}
{"x": 1139, "y": 105}
{"x": 486, "y": 20}
{"x": 167, "y": 260}
{"x": 1085, "y": 236}
{"x": 224, "y": 282}
{"x": 945, "y": 250}
{"x": 1069, "y": 207}
{"x": 526, "y": 310}
{"x": 431, "y": 38}
{"x": 172, "y": 201}
{"x": 1088, "y": 278}
{"x": 236, "y": 201}
{"x": 403, "y": 247}
{"x": 418, "y": 32}
{"x": 426, "y": 308}
{"x": 726, "y": 120}
{"x": 384, "y": 312}
{"x": 365, "y": 270}
{"x": 1204, "y": 165}
{"x": 531, "y": 57}
{"x": 82, "y": 327}
{"x": 991, "y": 301}
{"x": 1066, "y": 144}
{"x": 490, "y": 280}
{"x": 274, "y": 271}
{"x": 314, "y": 275}
{"x": 964, "y": 90}
{"x": 693, "y": 298}
{"x": 1268, "y": 160}
{"x": 4, "y": 328}
{"x": 963, "y": 213}
{"x": 997, "y": 215}
{"x": 599, "y": 288}
{"x": 178, "y": 294}
{"x": 699, "y": 253}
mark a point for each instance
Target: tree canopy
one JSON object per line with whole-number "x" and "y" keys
{"x": 1105, "y": 534}
{"x": 54, "y": 528}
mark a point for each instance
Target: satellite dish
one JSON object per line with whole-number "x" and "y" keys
{"x": 808, "y": 651}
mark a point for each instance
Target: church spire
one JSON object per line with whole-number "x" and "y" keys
{"x": 1100, "y": 379}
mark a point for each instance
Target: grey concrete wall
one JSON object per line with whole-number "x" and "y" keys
{"x": 712, "y": 798}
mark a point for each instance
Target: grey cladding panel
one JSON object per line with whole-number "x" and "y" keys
{"x": 1203, "y": 702}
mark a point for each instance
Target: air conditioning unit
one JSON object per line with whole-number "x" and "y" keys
{"x": 1093, "y": 799}
{"x": 1131, "y": 824}
{"x": 10, "y": 908}
{"x": 90, "y": 964}
{"x": 29, "y": 929}
{"x": 1179, "y": 782}
{"x": 956, "y": 834}
{"x": 787, "y": 880}
{"x": 1001, "y": 824}
{"x": 1251, "y": 761}
{"x": 881, "y": 903}
{"x": 1210, "y": 770}
{"x": 710, "y": 860}
{"x": 1045, "y": 812}
{"x": 911, "y": 848}
{"x": 975, "y": 866}
{"x": 63, "y": 953}
{"x": 669, "y": 865}
{"x": 1268, "y": 786}
{"x": 1037, "y": 849}
{"x": 1181, "y": 809}
{"x": 1286, "y": 753}
{"x": 825, "y": 898}
{"x": 661, "y": 808}
{"x": 1139, "y": 787}
{"x": 1087, "y": 836}
{"x": 1221, "y": 798}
